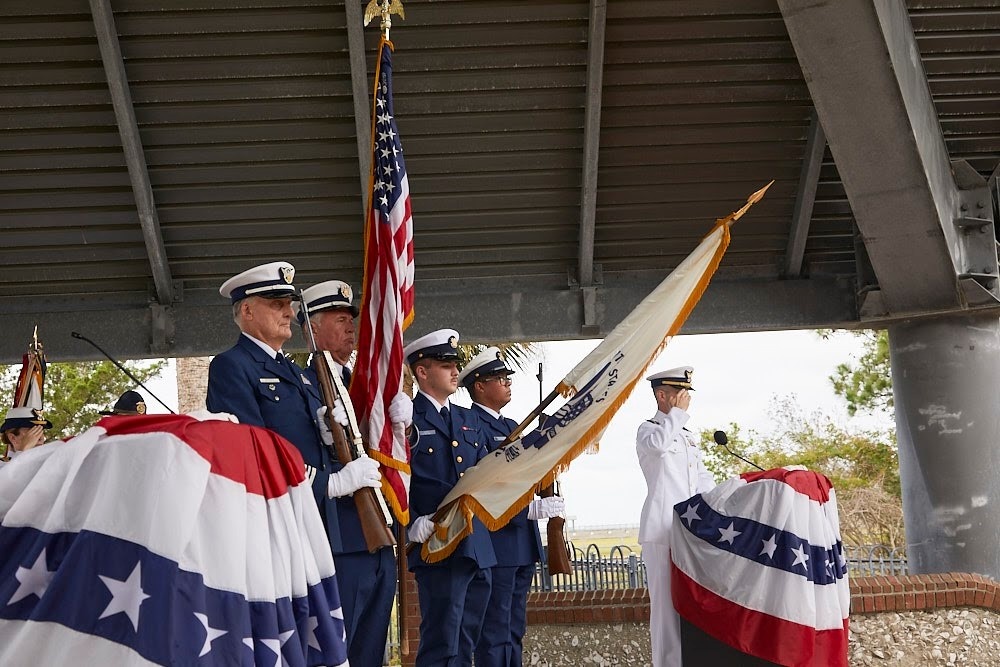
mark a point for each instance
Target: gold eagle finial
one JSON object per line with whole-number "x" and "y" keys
{"x": 384, "y": 8}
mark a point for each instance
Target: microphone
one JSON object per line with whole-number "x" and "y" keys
{"x": 80, "y": 336}
{"x": 722, "y": 439}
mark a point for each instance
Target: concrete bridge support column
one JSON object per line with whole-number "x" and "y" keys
{"x": 946, "y": 384}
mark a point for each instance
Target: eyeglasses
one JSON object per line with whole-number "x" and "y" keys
{"x": 502, "y": 380}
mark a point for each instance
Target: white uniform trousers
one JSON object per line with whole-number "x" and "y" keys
{"x": 664, "y": 623}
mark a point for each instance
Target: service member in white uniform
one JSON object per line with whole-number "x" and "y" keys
{"x": 674, "y": 471}
{"x": 22, "y": 429}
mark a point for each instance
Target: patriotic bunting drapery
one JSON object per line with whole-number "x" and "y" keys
{"x": 758, "y": 563}
{"x": 163, "y": 540}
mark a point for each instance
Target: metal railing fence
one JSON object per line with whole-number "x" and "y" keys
{"x": 623, "y": 568}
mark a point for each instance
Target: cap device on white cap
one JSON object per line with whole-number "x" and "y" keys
{"x": 441, "y": 344}
{"x": 270, "y": 281}
{"x": 675, "y": 377}
{"x": 488, "y": 363}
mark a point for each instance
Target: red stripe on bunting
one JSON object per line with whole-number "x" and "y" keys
{"x": 806, "y": 482}
{"x": 755, "y": 633}
{"x": 259, "y": 459}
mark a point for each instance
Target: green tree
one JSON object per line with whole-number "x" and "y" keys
{"x": 861, "y": 464}
{"x": 866, "y": 385}
{"x": 76, "y": 392}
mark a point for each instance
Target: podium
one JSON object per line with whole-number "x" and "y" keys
{"x": 698, "y": 649}
{"x": 757, "y": 563}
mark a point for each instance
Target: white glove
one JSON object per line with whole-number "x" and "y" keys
{"x": 339, "y": 416}
{"x": 546, "y": 508}
{"x": 401, "y": 410}
{"x": 421, "y": 529}
{"x": 357, "y": 474}
{"x": 205, "y": 415}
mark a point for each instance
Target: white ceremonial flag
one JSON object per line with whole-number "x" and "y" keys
{"x": 501, "y": 485}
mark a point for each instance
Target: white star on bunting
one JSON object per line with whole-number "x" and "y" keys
{"x": 800, "y": 557}
{"x": 727, "y": 534}
{"x": 126, "y": 596}
{"x": 211, "y": 633}
{"x": 768, "y": 546}
{"x": 313, "y": 624}
{"x": 691, "y": 514}
{"x": 32, "y": 580}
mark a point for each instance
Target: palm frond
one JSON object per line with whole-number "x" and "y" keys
{"x": 518, "y": 355}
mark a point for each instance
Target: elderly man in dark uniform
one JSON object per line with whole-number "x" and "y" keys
{"x": 447, "y": 440}
{"x": 518, "y": 545}
{"x": 254, "y": 381}
{"x": 367, "y": 581}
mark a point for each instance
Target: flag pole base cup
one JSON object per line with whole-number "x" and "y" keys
{"x": 698, "y": 649}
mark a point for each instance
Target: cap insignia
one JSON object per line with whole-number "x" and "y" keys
{"x": 287, "y": 274}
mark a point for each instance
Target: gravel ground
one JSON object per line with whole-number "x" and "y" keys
{"x": 959, "y": 636}
{"x": 946, "y": 637}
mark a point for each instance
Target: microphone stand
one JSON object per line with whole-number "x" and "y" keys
{"x": 124, "y": 370}
{"x": 722, "y": 439}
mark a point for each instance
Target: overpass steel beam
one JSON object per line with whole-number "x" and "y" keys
{"x": 359, "y": 93}
{"x": 591, "y": 151}
{"x": 805, "y": 199}
{"x": 525, "y": 310}
{"x": 135, "y": 159}
{"x": 862, "y": 65}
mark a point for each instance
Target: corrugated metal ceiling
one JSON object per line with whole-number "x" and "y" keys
{"x": 246, "y": 118}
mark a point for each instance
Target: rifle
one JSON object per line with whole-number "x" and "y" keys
{"x": 558, "y": 554}
{"x": 372, "y": 510}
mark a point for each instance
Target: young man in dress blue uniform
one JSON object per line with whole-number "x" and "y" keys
{"x": 447, "y": 440}
{"x": 367, "y": 581}
{"x": 518, "y": 545}
{"x": 254, "y": 381}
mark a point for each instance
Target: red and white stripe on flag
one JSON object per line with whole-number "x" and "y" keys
{"x": 758, "y": 563}
{"x": 387, "y": 295}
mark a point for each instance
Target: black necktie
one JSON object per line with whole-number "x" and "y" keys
{"x": 446, "y": 416}
{"x": 345, "y": 374}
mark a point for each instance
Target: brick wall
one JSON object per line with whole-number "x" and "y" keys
{"x": 868, "y": 595}
{"x": 923, "y": 591}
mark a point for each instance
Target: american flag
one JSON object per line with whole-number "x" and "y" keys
{"x": 164, "y": 540}
{"x": 758, "y": 563}
{"x": 387, "y": 301}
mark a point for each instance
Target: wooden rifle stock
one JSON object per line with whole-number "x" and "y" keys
{"x": 556, "y": 539}
{"x": 373, "y": 522}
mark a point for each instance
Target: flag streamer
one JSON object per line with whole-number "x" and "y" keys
{"x": 501, "y": 485}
